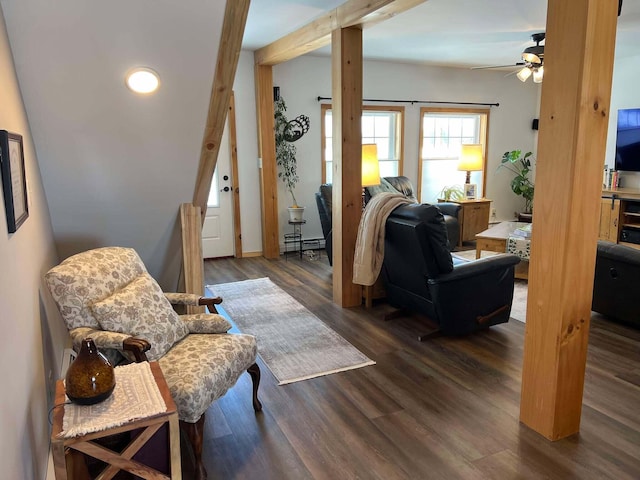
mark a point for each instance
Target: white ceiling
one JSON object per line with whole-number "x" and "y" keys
{"x": 461, "y": 33}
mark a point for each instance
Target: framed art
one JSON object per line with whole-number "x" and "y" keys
{"x": 14, "y": 182}
{"x": 470, "y": 191}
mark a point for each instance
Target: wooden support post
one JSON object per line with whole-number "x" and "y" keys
{"x": 574, "y": 117}
{"x": 346, "y": 54}
{"x": 192, "y": 252}
{"x": 235, "y": 18}
{"x": 267, "y": 154}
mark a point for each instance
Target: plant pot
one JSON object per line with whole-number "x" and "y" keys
{"x": 296, "y": 213}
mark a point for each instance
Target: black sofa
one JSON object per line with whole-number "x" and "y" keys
{"x": 617, "y": 282}
{"x": 420, "y": 275}
{"x": 399, "y": 184}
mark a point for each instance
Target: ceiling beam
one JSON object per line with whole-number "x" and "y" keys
{"x": 363, "y": 13}
{"x": 235, "y": 18}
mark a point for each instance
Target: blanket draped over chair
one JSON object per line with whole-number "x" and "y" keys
{"x": 369, "y": 253}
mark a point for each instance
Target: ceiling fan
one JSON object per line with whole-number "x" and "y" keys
{"x": 532, "y": 61}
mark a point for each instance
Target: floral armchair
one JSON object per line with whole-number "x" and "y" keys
{"x": 108, "y": 295}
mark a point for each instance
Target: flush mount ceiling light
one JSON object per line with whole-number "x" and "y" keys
{"x": 142, "y": 80}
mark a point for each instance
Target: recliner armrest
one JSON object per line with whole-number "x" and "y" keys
{"x": 448, "y": 208}
{"x": 477, "y": 267}
{"x": 474, "y": 295}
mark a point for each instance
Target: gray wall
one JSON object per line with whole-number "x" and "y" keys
{"x": 116, "y": 165}
{"x": 33, "y": 334}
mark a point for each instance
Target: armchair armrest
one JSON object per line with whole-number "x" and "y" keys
{"x": 448, "y": 208}
{"x": 475, "y": 294}
{"x": 105, "y": 340}
{"x": 206, "y": 323}
{"x": 478, "y": 267}
{"x": 193, "y": 299}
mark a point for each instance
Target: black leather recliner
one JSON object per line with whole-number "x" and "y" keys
{"x": 402, "y": 185}
{"x": 616, "y": 282}
{"x": 421, "y": 276}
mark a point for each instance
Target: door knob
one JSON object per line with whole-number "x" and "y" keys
{"x": 225, "y": 189}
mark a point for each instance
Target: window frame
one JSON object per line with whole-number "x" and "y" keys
{"x": 483, "y": 136}
{"x": 377, "y": 108}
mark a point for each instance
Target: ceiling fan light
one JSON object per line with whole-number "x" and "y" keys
{"x": 523, "y": 74}
{"x": 531, "y": 58}
{"x": 538, "y": 73}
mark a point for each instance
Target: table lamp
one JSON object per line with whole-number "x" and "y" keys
{"x": 370, "y": 167}
{"x": 470, "y": 161}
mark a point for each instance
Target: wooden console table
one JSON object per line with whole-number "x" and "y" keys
{"x": 473, "y": 217}
{"x": 65, "y": 450}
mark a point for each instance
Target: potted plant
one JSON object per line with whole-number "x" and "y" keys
{"x": 287, "y": 132}
{"x": 452, "y": 193}
{"x": 520, "y": 166}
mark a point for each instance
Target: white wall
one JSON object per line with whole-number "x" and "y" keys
{"x": 302, "y": 80}
{"x": 33, "y": 334}
{"x": 247, "y": 139}
{"x": 624, "y": 94}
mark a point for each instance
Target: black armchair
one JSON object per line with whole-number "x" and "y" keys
{"x": 420, "y": 274}
{"x": 323, "y": 200}
{"x": 399, "y": 184}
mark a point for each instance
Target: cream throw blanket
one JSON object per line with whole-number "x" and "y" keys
{"x": 369, "y": 253}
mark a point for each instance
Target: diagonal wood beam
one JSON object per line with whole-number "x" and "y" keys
{"x": 317, "y": 34}
{"x": 235, "y": 18}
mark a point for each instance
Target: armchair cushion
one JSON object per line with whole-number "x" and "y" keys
{"x": 201, "y": 368}
{"x": 141, "y": 309}
{"x": 206, "y": 323}
{"x": 81, "y": 279}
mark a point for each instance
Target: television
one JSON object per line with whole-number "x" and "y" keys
{"x": 628, "y": 140}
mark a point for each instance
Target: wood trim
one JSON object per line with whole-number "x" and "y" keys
{"x": 317, "y": 33}
{"x": 267, "y": 154}
{"x": 379, "y": 108}
{"x": 574, "y": 118}
{"x": 484, "y": 139}
{"x": 235, "y": 178}
{"x": 235, "y": 18}
{"x": 347, "y": 154}
{"x": 192, "y": 260}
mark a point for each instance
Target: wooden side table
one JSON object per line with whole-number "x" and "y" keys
{"x": 473, "y": 217}
{"x": 65, "y": 449}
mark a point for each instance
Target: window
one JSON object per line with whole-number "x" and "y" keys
{"x": 442, "y": 131}
{"x": 381, "y": 125}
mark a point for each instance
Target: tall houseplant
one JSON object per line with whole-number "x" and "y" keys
{"x": 520, "y": 166}
{"x": 287, "y": 132}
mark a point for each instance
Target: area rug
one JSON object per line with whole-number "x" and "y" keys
{"x": 294, "y": 343}
{"x": 519, "y": 304}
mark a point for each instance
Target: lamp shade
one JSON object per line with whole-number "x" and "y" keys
{"x": 370, "y": 166}
{"x": 523, "y": 74}
{"x": 538, "y": 73}
{"x": 470, "y": 158}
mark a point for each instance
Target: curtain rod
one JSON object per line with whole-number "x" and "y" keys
{"x": 420, "y": 101}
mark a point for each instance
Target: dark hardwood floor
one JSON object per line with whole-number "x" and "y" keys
{"x": 446, "y": 408}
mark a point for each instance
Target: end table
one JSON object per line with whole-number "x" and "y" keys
{"x": 65, "y": 450}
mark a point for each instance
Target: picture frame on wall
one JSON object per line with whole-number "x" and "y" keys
{"x": 14, "y": 181}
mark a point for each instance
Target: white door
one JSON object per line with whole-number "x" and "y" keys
{"x": 217, "y": 231}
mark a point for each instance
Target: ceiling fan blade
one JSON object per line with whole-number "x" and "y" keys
{"x": 513, "y": 65}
